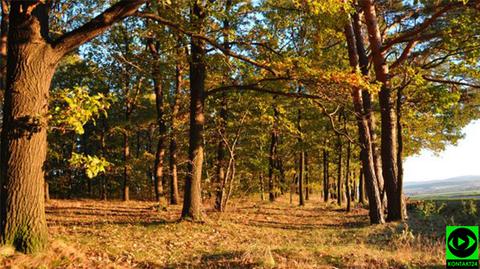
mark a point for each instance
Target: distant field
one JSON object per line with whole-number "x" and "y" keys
{"x": 447, "y": 196}
{"x": 467, "y": 187}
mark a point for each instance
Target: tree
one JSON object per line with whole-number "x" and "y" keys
{"x": 192, "y": 201}
{"x": 26, "y": 104}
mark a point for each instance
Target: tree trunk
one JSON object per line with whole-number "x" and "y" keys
{"x": 347, "y": 178}
{"x": 273, "y": 156}
{"x": 174, "y": 196}
{"x": 126, "y": 168}
{"x": 271, "y": 193}
{"x": 162, "y": 129}
{"x": 301, "y": 175}
{"x": 307, "y": 183}
{"x": 3, "y": 44}
{"x": 367, "y": 103}
{"x": 192, "y": 202}
{"x": 221, "y": 179}
{"x": 366, "y": 153}
{"x": 47, "y": 192}
{"x": 262, "y": 187}
{"x": 361, "y": 187}
{"x": 400, "y": 153}
{"x": 389, "y": 128}
{"x": 325, "y": 176}
{"x": 339, "y": 169}
{"x": 31, "y": 63}
{"x": 301, "y": 162}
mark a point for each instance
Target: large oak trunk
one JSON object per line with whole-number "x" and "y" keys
{"x": 30, "y": 66}
{"x": 192, "y": 202}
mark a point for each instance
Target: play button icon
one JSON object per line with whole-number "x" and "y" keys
{"x": 462, "y": 242}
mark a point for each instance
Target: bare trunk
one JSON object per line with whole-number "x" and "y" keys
{"x": 361, "y": 187}
{"x": 339, "y": 169}
{"x": 162, "y": 129}
{"x": 31, "y": 63}
{"x": 367, "y": 103}
{"x": 192, "y": 202}
{"x": 325, "y": 176}
{"x": 307, "y": 182}
{"x": 126, "y": 167}
{"x": 347, "y": 178}
{"x": 366, "y": 154}
{"x": 301, "y": 163}
{"x": 221, "y": 178}
{"x": 3, "y": 44}
{"x": 389, "y": 128}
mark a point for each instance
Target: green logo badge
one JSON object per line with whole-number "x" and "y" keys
{"x": 462, "y": 246}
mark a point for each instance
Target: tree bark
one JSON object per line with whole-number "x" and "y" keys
{"x": 366, "y": 153}
{"x": 174, "y": 196}
{"x": 162, "y": 129}
{"x": 339, "y": 167}
{"x": 3, "y": 44}
{"x": 31, "y": 62}
{"x": 367, "y": 103}
{"x": 389, "y": 128}
{"x": 307, "y": 182}
{"x": 126, "y": 168}
{"x": 325, "y": 176}
{"x": 361, "y": 187}
{"x": 192, "y": 202}
{"x": 301, "y": 162}
{"x": 347, "y": 178}
{"x": 30, "y": 66}
{"x": 221, "y": 161}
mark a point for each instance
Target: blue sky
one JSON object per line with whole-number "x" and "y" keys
{"x": 460, "y": 160}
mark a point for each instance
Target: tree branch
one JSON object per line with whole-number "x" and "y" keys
{"x": 71, "y": 40}
{"x": 406, "y": 51}
{"x": 421, "y": 27}
{"x": 453, "y": 82}
{"x": 211, "y": 41}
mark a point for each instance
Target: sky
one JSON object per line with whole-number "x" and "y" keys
{"x": 460, "y": 160}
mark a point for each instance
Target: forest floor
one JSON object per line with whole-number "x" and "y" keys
{"x": 251, "y": 234}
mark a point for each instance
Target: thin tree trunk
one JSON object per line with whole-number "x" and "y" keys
{"x": 221, "y": 179}
{"x": 162, "y": 129}
{"x": 192, "y": 202}
{"x": 307, "y": 183}
{"x": 347, "y": 177}
{"x": 325, "y": 176}
{"x": 301, "y": 163}
{"x": 126, "y": 168}
{"x": 301, "y": 175}
{"x": 361, "y": 187}
{"x": 339, "y": 168}
{"x": 174, "y": 196}
{"x": 273, "y": 156}
{"x": 262, "y": 187}
{"x": 400, "y": 153}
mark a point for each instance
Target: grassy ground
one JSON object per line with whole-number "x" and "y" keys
{"x": 252, "y": 234}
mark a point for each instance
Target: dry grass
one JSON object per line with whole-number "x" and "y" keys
{"x": 252, "y": 234}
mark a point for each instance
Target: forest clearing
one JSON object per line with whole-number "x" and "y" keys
{"x": 251, "y": 234}
{"x": 237, "y": 133}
